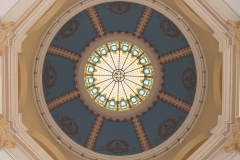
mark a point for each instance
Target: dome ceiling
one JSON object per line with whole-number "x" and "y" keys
{"x": 148, "y": 127}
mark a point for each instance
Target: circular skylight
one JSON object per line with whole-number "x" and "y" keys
{"x": 118, "y": 76}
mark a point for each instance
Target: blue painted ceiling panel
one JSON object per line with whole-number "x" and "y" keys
{"x": 115, "y": 18}
{"x": 76, "y": 33}
{"x": 163, "y": 34}
{"x": 161, "y": 122}
{"x": 180, "y": 78}
{"x": 56, "y": 72}
{"x": 76, "y": 122}
{"x": 117, "y": 138}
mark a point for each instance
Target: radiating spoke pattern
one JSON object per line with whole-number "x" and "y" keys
{"x": 118, "y": 76}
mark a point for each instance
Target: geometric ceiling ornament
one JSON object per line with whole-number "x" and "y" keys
{"x": 119, "y": 79}
{"x": 118, "y": 76}
{"x": 131, "y": 85}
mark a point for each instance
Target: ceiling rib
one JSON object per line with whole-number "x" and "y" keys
{"x": 183, "y": 52}
{"x": 142, "y": 137}
{"x": 54, "y": 50}
{"x": 53, "y": 104}
{"x": 92, "y": 138}
{"x": 143, "y": 21}
{"x": 177, "y": 102}
{"x": 96, "y": 21}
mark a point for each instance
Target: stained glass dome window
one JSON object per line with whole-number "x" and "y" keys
{"x": 118, "y": 76}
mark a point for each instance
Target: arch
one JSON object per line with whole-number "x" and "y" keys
{"x": 186, "y": 151}
{"x": 47, "y": 145}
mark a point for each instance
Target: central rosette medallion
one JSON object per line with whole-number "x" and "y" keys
{"x": 118, "y": 75}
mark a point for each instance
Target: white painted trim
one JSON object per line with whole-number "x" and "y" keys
{"x": 157, "y": 151}
{"x": 222, "y": 155}
{"x": 17, "y": 10}
{"x": 25, "y": 15}
{"x": 6, "y": 7}
{"x": 234, "y": 5}
{"x": 238, "y": 86}
{"x": 219, "y": 6}
{"x": 216, "y": 20}
{"x": 1, "y": 84}
{"x": 5, "y": 155}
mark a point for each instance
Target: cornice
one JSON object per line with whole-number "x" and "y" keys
{"x": 26, "y": 146}
{"x": 211, "y": 15}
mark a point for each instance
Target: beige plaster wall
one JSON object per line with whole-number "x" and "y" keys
{"x": 207, "y": 119}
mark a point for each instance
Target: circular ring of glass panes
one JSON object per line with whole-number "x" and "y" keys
{"x": 118, "y": 76}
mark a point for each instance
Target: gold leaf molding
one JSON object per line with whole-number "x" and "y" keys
{"x": 233, "y": 144}
{"x": 235, "y": 27}
{"x": 6, "y": 140}
{"x": 5, "y": 28}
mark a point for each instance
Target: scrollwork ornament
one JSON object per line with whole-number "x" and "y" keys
{"x": 6, "y": 141}
{"x": 49, "y": 77}
{"x": 69, "y": 28}
{"x": 119, "y": 7}
{"x": 235, "y": 27}
{"x": 167, "y": 128}
{"x": 69, "y": 126}
{"x": 189, "y": 79}
{"x": 5, "y": 28}
{"x": 118, "y": 147}
{"x": 169, "y": 28}
{"x": 233, "y": 144}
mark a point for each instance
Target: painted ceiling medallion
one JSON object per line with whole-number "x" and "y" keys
{"x": 118, "y": 76}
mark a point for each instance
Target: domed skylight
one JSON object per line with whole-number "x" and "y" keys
{"x": 118, "y": 76}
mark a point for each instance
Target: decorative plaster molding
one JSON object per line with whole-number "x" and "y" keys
{"x": 235, "y": 27}
{"x": 216, "y": 19}
{"x": 6, "y": 140}
{"x": 233, "y": 144}
{"x": 5, "y": 28}
{"x": 26, "y": 146}
{"x": 201, "y": 7}
{"x": 168, "y": 144}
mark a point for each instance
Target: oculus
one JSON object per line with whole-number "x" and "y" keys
{"x": 118, "y": 75}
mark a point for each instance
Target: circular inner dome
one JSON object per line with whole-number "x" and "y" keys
{"x": 118, "y": 76}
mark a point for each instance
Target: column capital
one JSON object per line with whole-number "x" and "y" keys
{"x": 5, "y": 28}
{"x": 233, "y": 144}
{"x": 6, "y": 140}
{"x": 235, "y": 27}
